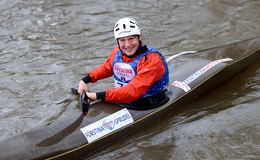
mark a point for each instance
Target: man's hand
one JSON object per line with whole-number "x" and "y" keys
{"x": 82, "y": 87}
{"x": 92, "y": 96}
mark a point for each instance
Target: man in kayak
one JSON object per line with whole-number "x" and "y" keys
{"x": 140, "y": 72}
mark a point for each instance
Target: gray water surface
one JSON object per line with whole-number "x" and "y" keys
{"x": 46, "y": 46}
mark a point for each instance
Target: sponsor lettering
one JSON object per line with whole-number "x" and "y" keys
{"x": 125, "y": 70}
{"x": 194, "y": 76}
{"x": 204, "y": 69}
{"x": 107, "y": 125}
{"x": 122, "y": 118}
{"x": 184, "y": 85}
{"x": 94, "y": 131}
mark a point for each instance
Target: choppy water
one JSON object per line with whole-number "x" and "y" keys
{"x": 46, "y": 46}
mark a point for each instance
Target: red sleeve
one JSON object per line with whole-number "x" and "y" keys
{"x": 149, "y": 70}
{"x": 104, "y": 70}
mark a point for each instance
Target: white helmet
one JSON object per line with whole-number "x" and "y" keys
{"x": 126, "y": 27}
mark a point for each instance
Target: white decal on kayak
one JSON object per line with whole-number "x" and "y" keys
{"x": 107, "y": 125}
{"x": 181, "y": 85}
{"x": 184, "y": 85}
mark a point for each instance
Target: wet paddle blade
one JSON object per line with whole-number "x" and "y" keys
{"x": 84, "y": 103}
{"x": 74, "y": 91}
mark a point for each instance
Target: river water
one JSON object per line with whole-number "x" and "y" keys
{"x": 47, "y": 45}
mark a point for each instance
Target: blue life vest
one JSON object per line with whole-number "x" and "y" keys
{"x": 124, "y": 72}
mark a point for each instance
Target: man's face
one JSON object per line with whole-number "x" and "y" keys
{"x": 129, "y": 44}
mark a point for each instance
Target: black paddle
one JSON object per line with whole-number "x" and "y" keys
{"x": 74, "y": 91}
{"x": 84, "y": 101}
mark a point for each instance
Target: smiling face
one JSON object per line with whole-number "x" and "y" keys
{"x": 129, "y": 44}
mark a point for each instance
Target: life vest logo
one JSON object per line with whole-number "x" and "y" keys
{"x": 124, "y": 71}
{"x": 108, "y": 124}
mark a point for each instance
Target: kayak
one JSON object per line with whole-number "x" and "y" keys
{"x": 192, "y": 74}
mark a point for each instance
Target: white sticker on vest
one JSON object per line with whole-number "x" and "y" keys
{"x": 123, "y": 71}
{"x": 107, "y": 125}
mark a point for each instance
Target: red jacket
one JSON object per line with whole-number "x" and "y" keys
{"x": 149, "y": 70}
